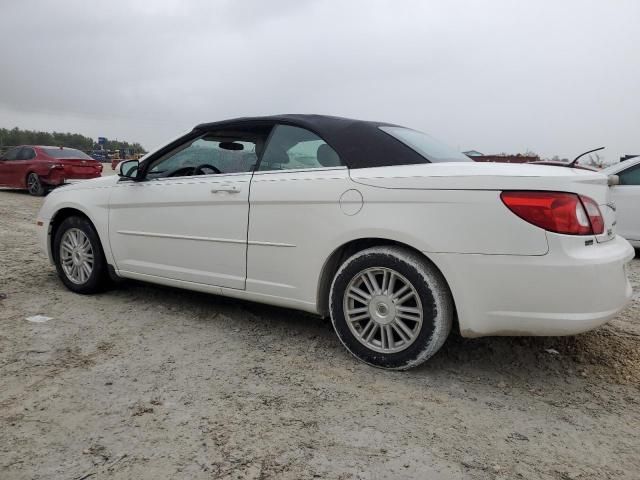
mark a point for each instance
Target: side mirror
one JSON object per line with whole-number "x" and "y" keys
{"x": 613, "y": 180}
{"x": 127, "y": 169}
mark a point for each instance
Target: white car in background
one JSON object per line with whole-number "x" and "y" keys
{"x": 389, "y": 232}
{"x": 626, "y": 197}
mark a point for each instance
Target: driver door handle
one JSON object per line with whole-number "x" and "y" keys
{"x": 226, "y": 188}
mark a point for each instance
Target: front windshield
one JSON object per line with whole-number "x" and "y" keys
{"x": 427, "y": 146}
{"x": 207, "y": 155}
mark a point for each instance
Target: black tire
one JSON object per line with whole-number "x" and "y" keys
{"x": 34, "y": 185}
{"x": 435, "y": 301}
{"x": 98, "y": 280}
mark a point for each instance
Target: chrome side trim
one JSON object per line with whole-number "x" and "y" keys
{"x": 270, "y": 244}
{"x": 180, "y": 237}
{"x": 203, "y": 239}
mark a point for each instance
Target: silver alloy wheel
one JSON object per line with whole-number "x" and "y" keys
{"x": 33, "y": 184}
{"x": 76, "y": 256}
{"x": 383, "y": 310}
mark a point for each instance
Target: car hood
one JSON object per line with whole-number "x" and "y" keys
{"x": 100, "y": 182}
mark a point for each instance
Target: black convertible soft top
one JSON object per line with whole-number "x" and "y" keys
{"x": 359, "y": 143}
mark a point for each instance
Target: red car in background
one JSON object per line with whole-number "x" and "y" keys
{"x": 38, "y": 168}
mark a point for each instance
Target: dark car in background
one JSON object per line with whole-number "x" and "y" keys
{"x": 38, "y": 168}
{"x": 99, "y": 155}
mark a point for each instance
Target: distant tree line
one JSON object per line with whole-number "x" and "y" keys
{"x": 17, "y": 136}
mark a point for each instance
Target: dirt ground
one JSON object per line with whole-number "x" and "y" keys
{"x": 150, "y": 382}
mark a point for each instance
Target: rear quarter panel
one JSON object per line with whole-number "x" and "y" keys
{"x": 297, "y": 222}
{"x": 448, "y": 221}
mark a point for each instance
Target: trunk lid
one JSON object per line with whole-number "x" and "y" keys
{"x": 495, "y": 176}
{"x": 77, "y": 166}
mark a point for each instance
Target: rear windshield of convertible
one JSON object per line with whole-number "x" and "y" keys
{"x": 427, "y": 146}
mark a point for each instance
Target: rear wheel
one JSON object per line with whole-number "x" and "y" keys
{"x": 34, "y": 185}
{"x": 390, "y": 307}
{"x": 79, "y": 257}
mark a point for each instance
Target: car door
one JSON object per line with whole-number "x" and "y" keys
{"x": 187, "y": 219}
{"x": 626, "y": 196}
{"x": 9, "y": 164}
{"x": 24, "y": 165}
{"x": 295, "y": 213}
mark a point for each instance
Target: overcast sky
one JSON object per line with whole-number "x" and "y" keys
{"x": 555, "y": 77}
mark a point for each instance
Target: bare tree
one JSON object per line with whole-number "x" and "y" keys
{"x": 595, "y": 160}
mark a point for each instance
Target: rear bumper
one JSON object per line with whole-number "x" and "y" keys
{"x": 634, "y": 243}
{"x": 572, "y": 289}
{"x": 63, "y": 180}
{"x": 60, "y": 176}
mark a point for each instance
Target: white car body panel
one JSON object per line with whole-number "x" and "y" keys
{"x": 91, "y": 198}
{"x": 495, "y": 177}
{"x": 192, "y": 229}
{"x": 271, "y": 241}
{"x": 294, "y": 229}
{"x": 627, "y": 202}
{"x": 570, "y": 290}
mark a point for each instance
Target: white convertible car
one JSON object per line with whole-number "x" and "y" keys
{"x": 391, "y": 233}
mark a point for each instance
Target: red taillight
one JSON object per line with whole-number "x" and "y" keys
{"x": 593, "y": 211}
{"x": 557, "y": 212}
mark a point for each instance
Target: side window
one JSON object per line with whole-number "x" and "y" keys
{"x": 12, "y": 154}
{"x": 26, "y": 153}
{"x": 225, "y": 151}
{"x": 294, "y": 148}
{"x": 630, "y": 176}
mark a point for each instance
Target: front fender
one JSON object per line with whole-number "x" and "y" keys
{"x": 92, "y": 203}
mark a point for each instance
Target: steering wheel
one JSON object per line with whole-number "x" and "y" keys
{"x": 202, "y": 169}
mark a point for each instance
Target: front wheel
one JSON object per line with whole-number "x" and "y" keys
{"x": 79, "y": 257}
{"x": 34, "y": 185}
{"x": 390, "y": 307}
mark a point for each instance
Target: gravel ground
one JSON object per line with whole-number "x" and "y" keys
{"x": 152, "y": 382}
